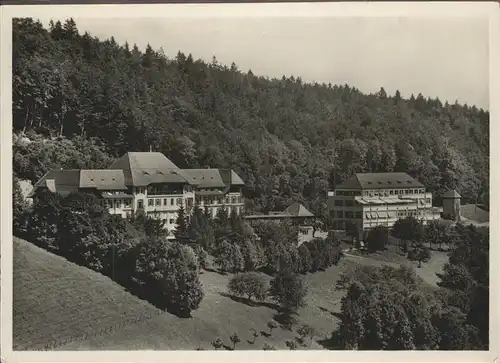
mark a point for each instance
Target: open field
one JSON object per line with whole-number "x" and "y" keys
{"x": 55, "y": 299}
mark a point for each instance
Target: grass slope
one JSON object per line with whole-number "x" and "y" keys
{"x": 55, "y": 299}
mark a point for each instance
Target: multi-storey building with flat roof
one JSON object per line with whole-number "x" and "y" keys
{"x": 372, "y": 199}
{"x": 151, "y": 183}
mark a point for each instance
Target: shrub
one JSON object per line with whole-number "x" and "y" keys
{"x": 171, "y": 270}
{"x": 288, "y": 290}
{"x": 291, "y": 344}
{"x": 253, "y": 255}
{"x": 42, "y": 228}
{"x": 271, "y": 325}
{"x": 20, "y": 210}
{"x": 250, "y": 284}
{"x": 217, "y": 343}
{"x": 305, "y": 260}
{"x": 377, "y": 238}
{"x": 201, "y": 256}
{"x": 307, "y": 331}
{"x": 420, "y": 254}
{"x": 268, "y": 347}
{"x": 235, "y": 339}
{"x": 228, "y": 257}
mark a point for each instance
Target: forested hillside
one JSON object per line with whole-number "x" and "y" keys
{"x": 289, "y": 140}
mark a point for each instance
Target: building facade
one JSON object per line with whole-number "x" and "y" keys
{"x": 371, "y": 199}
{"x": 149, "y": 182}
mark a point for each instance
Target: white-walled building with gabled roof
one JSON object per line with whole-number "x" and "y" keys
{"x": 151, "y": 183}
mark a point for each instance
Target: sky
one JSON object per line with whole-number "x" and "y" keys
{"x": 445, "y": 57}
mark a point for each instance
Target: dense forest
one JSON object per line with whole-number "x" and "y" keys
{"x": 289, "y": 140}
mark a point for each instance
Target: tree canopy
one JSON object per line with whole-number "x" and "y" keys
{"x": 270, "y": 131}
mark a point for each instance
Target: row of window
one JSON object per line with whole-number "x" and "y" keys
{"x": 173, "y": 201}
{"x": 381, "y": 193}
{"x": 387, "y": 193}
{"x": 163, "y": 189}
{"x": 221, "y": 200}
{"x": 350, "y": 203}
{"x": 348, "y": 193}
{"x": 342, "y": 203}
{"x": 374, "y": 215}
{"x": 348, "y": 214}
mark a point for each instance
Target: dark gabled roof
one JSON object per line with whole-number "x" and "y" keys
{"x": 59, "y": 181}
{"x": 144, "y": 168}
{"x": 230, "y": 177}
{"x": 298, "y": 210}
{"x": 62, "y": 177}
{"x": 65, "y": 182}
{"x": 451, "y": 194}
{"x": 380, "y": 181}
{"x": 294, "y": 210}
{"x": 206, "y": 178}
{"x": 214, "y": 178}
{"x": 102, "y": 179}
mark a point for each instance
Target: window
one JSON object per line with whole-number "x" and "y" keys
{"x": 158, "y": 202}
{"x": 227, "y": 200}
{"x": 340, "y": 192}
{"x": 165, "y": 201}
{"x": 349, "y": 214}
{"x": 140, "y": 204}
{"x": 150, "y": 202}
{"x": 391, "y": 192}
{"x": 127, "y": 203}
{"x": 340, "y": 214}
{"x": 349, "y": 203}
{"x": 339, "y": 203}
{"x": 240, "y": 199}
{"x": 179, "y": 201}
{"x": 358, "y": 215}
{"x": 171, "y": 221}
{"x": 233, "y": 200}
